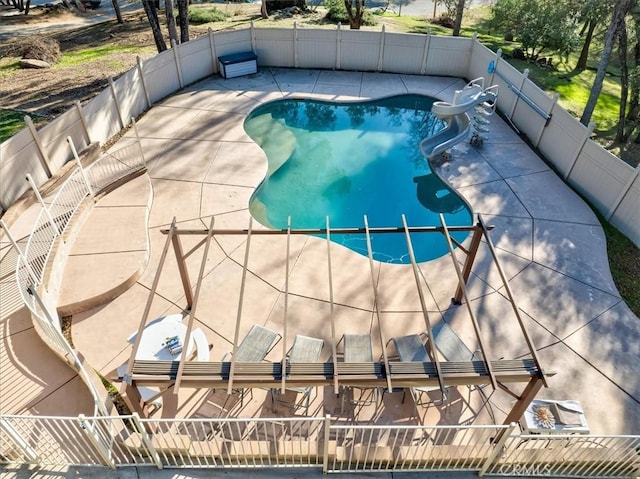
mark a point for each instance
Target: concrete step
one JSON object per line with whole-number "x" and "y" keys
{"x": 111, "y": 249}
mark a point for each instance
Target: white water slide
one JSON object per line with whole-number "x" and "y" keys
{"x": 472, "y": 97}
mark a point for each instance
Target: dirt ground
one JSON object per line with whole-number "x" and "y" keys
{"x": 49, "y": 92}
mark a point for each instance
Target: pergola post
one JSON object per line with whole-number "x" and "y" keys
{"x": 530, "y": 391}
{"x": 182, "y": 269}
{"x": 468, "y": 264}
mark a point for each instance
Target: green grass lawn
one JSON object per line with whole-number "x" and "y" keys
{"x": 573, "y": 87}
{"x": 11, "y": 122}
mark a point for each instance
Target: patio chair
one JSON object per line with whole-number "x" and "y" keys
{"x": 303, "y": 350}
{"x": 412, "y": 348}
{"x": 453, "y": 348}
{"x": 358, "y": 349}
{"x": 253, "y": 348}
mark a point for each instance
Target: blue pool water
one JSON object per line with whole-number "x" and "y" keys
{"x": 347, "y": 160}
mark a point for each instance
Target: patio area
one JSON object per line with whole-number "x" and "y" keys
{"x": 201, "y": 164}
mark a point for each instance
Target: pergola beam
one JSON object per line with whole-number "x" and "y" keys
{"x": 416, "y": 274}
{"x": 152, "y": 294}
{"x": 323, "y": 231}
{"x": 376, "y": 304}
{"x": 236, "y": 335}
{"x": 334, "y": 351}
{"x": 516, "y": 310}
{"x": 410, "y": 374}
{"x": 192, "y": 313}
{"x": 286, "y": 308}
{"x": 462, "y": 284}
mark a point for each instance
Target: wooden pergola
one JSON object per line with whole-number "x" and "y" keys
{"x": 386, "y": 373}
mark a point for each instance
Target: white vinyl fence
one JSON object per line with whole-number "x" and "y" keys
{"x": 610, "y": 184}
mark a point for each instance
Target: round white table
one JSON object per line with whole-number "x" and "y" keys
{"x": 156, "y": 333}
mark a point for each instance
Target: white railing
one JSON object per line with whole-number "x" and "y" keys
{"x": 50, "y": 225}
{"x": 569, "y": 456}
{"x": 314, "y": 442}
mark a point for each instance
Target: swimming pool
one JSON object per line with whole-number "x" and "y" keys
{"x": 347, "y": 160}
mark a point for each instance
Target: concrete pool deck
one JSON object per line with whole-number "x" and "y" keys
{"x": 201, "y": 163}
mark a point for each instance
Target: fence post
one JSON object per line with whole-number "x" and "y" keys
{"x": 590, "y": 129}
{"x": 252, "y": 32}
{"x": 83, "y": 120}
{"x": 82, "y": 172}
{"x": 18, "y": 440}
{"x": 546, "y": 123}
{"x": 212, "y": 45}
{"x": 34, "y": 187}
{"x": 497, "y": 449}
{"x": 325, "y": 449}
{"x": 425, "y": 53}
{"x": 143, "y": 80}
{"x": 115, "y": 100}
{"x": 338, "y": 46}
{"x": 525, "y": 75}
{"x": 42, "y": 153}
{"x": 176, "y": 56}
{"x": 474, "y": 41}
{"x": 295, "y": 45}
{"x": 623, "y": 193}
{"x": 146, "y": 440}
{"x": 381, "y": 52}
{"x": 94, "y": 439}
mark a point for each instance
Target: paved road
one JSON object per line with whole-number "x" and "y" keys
{"x": 102, "y": 14}
{"x": 105, "y": 12}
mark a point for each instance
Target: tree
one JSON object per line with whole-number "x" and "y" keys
{"x": 171, "y": 21}
{"x": 622, "y": 7}
{"x": 458, "y": 21}
{"x": 116, "y": 9}
{"x": 152, "y": 16}
{"x": 624, "y": 81}
{"x": 183, "y": 12}
{"x": 355, "y": 11}
{"x": 539, "y": 25}
{"x": 20, "y": 5}
{"x": 591, "y": 13}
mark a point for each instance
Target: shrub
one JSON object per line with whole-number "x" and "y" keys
{"x": 337, "y": 12}
{"x": 443, "y": 20}
{"x": 199, "y": 15}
